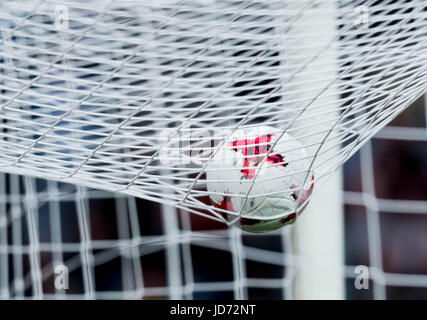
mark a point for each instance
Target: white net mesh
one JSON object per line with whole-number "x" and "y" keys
{"x": 104, "y": 99}
{"x": 130, "y": 97}
{"x": 118, "y": 246}
{"x": 385, "y": 208}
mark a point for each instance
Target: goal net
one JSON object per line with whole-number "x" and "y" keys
{"x": 122, "y": 106}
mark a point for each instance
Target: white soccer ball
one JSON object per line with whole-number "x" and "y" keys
{"x": 259, "y": 173}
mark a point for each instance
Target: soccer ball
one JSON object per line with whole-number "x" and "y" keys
{"x": 259, "y": 173}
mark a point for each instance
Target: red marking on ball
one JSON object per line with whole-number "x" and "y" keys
{"x": 225, "y": 204}
{"x": 288, "y": 218}
{"x": 255, "y": 154}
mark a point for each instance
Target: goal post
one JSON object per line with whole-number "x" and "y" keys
{"x": 318, "y": 235}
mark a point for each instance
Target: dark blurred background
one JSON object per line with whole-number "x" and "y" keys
{"x": 128, "y": 250}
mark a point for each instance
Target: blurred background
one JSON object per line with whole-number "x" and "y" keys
{"x": 116, "y": 246}
{"x": 132, "y": 248}
{"x": 392, "y": 168}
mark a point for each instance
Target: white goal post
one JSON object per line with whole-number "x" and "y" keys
{"x": 319, "y": 241}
